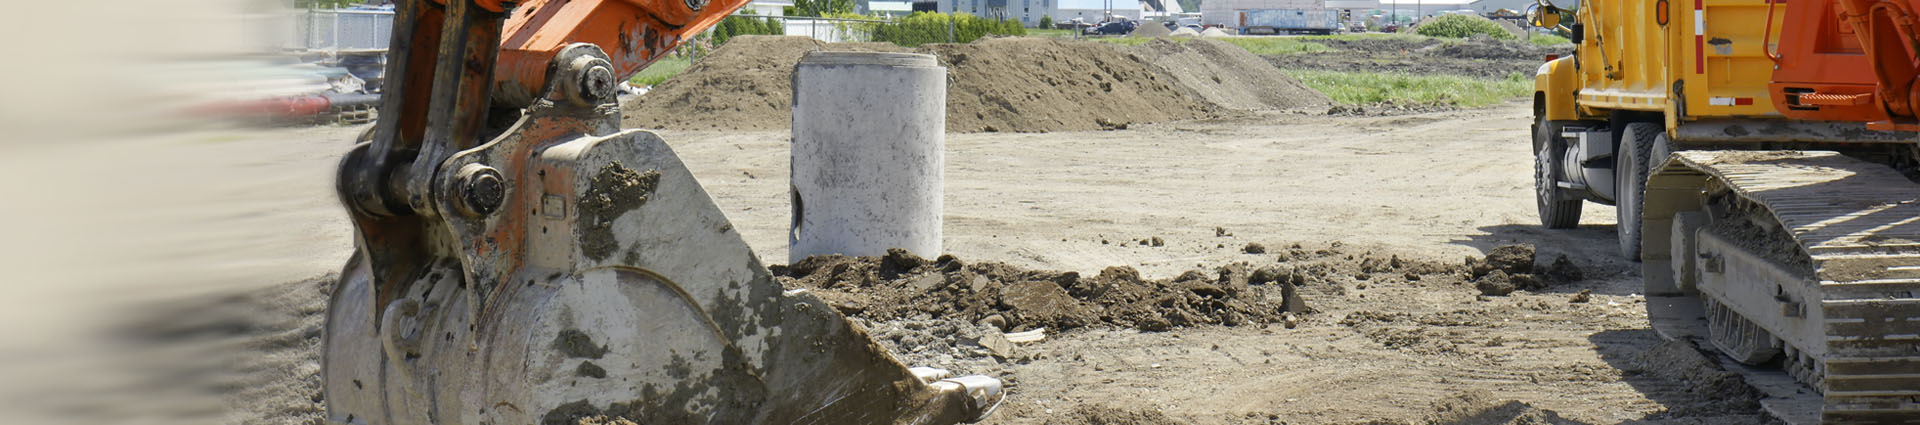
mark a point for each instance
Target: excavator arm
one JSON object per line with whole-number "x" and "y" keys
{"x": 521, "y": 259}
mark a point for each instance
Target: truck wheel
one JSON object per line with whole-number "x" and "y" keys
{"x": 1558, "y": 208}
{"x": 1630, "y": 174}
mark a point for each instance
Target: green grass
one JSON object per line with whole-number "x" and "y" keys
{"x": 660, "y": 71}
{"x": 1056, "y": 33}
{"x": 1359, "y": 88}
{"x": 1548, "y": 40}
{"x": 1276, "y": 45}
{"x": 1364, "y": 36}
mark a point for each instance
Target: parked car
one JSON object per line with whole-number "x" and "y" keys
{"x": 1113, "y": 28}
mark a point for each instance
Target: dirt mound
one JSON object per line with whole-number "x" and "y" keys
{"x": 1215, "y": 32}
{"x": 1042, "y": 84}
{"x": 1229, "y": 76}
{"x": 746, "y": 84}
{"x": 1150, "y": 29}
{"x": 901, "y": 286}
{"x": 1184, "y": 32}
{"x": 1001, "y": 84}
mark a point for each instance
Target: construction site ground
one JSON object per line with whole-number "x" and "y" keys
{"x": 210, "y": 311}
{"x": 1184, "y": 178}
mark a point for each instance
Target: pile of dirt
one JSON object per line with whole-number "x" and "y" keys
{"x": 1031, "y": 85}
{"x": 746, "y": 84}
{"x": 1509, "y": 268}
{"x": 1150, "y": 29}
{"x": 999, "y": 84}
{"x": 1229, "y": 76}
{"x": 1215, "y": 33}
{"x": 1479, "y": 56}
{"x": 1184, "y": 32}
{"x": 900, "y": 285}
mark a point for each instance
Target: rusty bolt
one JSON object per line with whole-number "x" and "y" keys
{"x": 483, "y": 190}
{"x": 596, "y": 84}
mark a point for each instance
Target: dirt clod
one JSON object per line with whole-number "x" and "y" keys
{"x": 576, "y": 344}
{"x": 1496, "y": 283}
{"x": 1254, "y": 248}
{"x": 1563, "y": 270}
{"x": 1513, "y": 259}
{"x": 1585, "y": 295}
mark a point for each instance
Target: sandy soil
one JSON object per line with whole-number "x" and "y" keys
{"x": 221, "y": 260}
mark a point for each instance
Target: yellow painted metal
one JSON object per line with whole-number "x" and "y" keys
{"x": 1557, "y": 103}
{"x": 1700, "y": 65}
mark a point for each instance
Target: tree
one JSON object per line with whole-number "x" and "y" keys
{"x": 821, "y": 7}
{"x": 1046, "y": 22}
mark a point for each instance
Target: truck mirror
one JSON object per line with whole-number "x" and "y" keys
{"x": 1543, "y": 15}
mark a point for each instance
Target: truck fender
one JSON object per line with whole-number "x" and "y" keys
{"x": 1554, "y": 86}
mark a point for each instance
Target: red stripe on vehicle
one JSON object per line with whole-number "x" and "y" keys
{"x": 1742, "y": 101}
{"x": 1699, "y": 54}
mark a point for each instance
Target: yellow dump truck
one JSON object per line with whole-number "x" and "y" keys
{"x": 1760, "y": 175}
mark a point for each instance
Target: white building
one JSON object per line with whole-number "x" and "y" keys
{"x": 768, "y": 7}
{"x": 1030, "y": 11}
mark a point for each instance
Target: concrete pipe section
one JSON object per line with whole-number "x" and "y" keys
{"x": 869, "y": 134}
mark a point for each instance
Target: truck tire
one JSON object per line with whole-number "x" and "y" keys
{"x": 1630, "y": 173}
{"x": 1559, "y": 209}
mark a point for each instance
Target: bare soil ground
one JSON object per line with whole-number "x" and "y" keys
{"x": 1374, "y": 345}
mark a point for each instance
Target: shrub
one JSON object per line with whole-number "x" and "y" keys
{"x": 738, "y": 25}
{"x": 1462, "y": 26}
{"x": 1046, "y": 22}
{"x": 1549, "y": 40}
{"x": 927, "y": 27}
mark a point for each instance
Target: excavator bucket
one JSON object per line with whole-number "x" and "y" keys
{"x": 565, "y": 269}
{"x": 636, "y": 299}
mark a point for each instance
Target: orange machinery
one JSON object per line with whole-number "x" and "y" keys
{"x": 522, "y": 259}
{"x": 1848, "y": 60}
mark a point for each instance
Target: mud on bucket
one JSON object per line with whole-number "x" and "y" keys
{"x": 869, "y": 134}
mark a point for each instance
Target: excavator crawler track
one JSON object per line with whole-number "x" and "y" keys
{"x": 1830, "y": 298}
